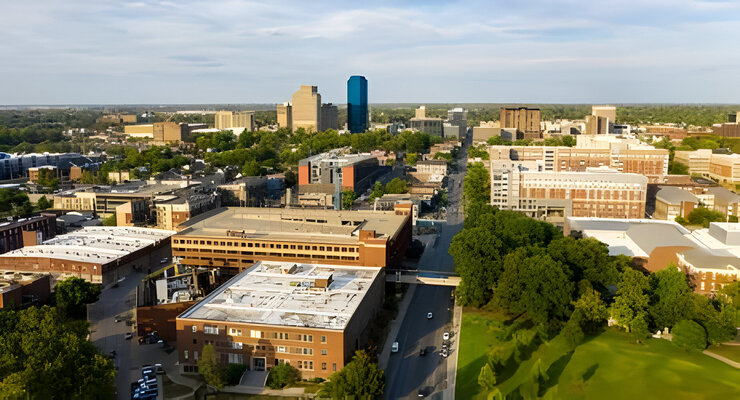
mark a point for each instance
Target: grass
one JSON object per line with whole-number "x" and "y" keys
{"x": 172, "y": 389}
{"x": 309, "y": 387}
{"x": 731, "y": 352}
{"x": 607, "y": 366}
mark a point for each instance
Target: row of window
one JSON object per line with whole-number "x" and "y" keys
{"x": 269, "y": 245}
{"x": 257, "y": 334}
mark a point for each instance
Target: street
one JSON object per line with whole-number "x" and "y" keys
{"x": 407, "y": 371}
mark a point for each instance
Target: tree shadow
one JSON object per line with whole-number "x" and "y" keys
{"x": 590, "y": 371}
{"x": 554, "y": 372}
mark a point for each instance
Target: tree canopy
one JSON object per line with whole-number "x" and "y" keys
{"x": 361, "y": 378}
{"x": 73, "y": 294}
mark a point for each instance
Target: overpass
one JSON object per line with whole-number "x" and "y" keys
{"x": 438, "y": 278}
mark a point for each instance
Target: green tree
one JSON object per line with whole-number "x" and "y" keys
{"x": 283, "y": 375}
{"x": 348, "y": 199}
{"x": 73, "y": 294}
{"x": 689, "y": 335}
{"x": 677, "y": 168}
{"x": 630, "y": 304}
{"x": 45, "y": 356}
{"x": 378, "y": 192}
{"x": 361, "y": 378}
{"x": 251, "y": 168}
{"x": 486, "y": 377}
{"x": 477, "y": 184}
{"x": 396, "y": 186}
{"x": 412, "y": 158}
{"x": 586, "y": 259}
{"x": 43, "y": 203}
{"x": 212, "y": 371}
{"x": 703, "y": 216}
{"x": 670, "y": 297}
{"x": 110, "y": 220}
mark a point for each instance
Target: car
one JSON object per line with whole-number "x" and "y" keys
{"x": 164, "y": 260}
{"x": 128, "y": 335}
{"x": 423, "y": 352}
{"x": 444, "y": 353}
{"x": 158, "y": 369}
{"x": 394, "y": 347}
{"x": 429, "y": 315}
{"x": 424, "y": 391}
{"x": 446, "y": 336}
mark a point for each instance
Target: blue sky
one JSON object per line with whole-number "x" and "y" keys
{"x": 557, "y": 51}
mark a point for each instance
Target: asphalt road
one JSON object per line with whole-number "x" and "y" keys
{"x": 407, "y": 371}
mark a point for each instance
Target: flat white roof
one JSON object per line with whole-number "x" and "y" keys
{"x": 284, "y": 293}
{"x": 95, "y": 244}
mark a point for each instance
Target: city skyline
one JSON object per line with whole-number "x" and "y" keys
{"x": 152, "y": 52}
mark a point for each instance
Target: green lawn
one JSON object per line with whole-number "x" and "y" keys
{"x": 608, "y": 366}
{"x": 731, "y": 352}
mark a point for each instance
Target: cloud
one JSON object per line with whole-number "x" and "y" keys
{"x": 149, "y": 51}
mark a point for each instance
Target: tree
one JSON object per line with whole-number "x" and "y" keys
{"x": 396, "y": 186}
{"x": 670, "y": 299}
{"x": 689, "y": 335}
{"x": 477, "y": 184}
{"x": 43, "y": 203}
{"x": 73, "y": 294}
{"x": 110, "y": 220}
{"x": 348, "y": 199}
{"x": 361, "y": 378}
{"x": 211, "y": 370}
{"x": 283, "y": 375}
{"x": 703, "y": 216}
{"x": 677, "y": 168}
{"x": 411, "y": 158}
{"x": 378, "y": 191}
{"x": 586, "y": 259}
{"x": 45, "y": 356}
{"x": 486, "y": 377}
{"x": 630, "y": 304}
{"x": 251, "y": 168}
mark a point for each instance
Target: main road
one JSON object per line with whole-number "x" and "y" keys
{"x": 407, "y": 371}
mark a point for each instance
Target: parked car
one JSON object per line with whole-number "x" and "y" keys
{"x": 394, "y": 347}
{"x": 158, "y": 369}
{"x": 164, "y": 260}
{"x": 149, "y": 338}
{"x": 446, "y": 336}
{"x": 423, "y": 352}
{"x": 444, "y": 353}
{"x": 429, "y": 315}
{"x": 425, "y": 391}
{"x": 128, "y": 335}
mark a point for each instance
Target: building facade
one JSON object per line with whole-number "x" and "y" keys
{"x": 329, "y": 115}
{"x": 358, "y": 117}
{"x": 422, "y": 123}
{"x": 335, "y": 171}
{"x": 27, "y": 232}
{"x": 234, "y": 119}
{"x": 524, "y": 119}
{"x": 285, "y": 115}
{"x": 306, "y": 108}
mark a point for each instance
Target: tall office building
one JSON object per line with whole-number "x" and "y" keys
{"x": 357, "y": 107}
{"x": 329, "y": 117}
{"x": 231, "y": 119}
{"x": 523, "y": 119}
{"x": 285, "y": 115}
{"x": 307, "y": 108}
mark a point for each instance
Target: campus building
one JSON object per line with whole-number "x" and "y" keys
{"x": 332, "y": 170}
{"x": 23, "y": 289}
{"x": 96, "y": 254}
{"x": 312, "y": 316}
{"x": 234, "y": 119}
{"x": 118, "y": 118}
{"x": 422, "y": 123}
{"x": 358, "y": 118}
{"x": 306, "y": 108}
{"x": 723, "y": 168}
{"x": 524, "y": 119}
{"x": 234, "y": 238}
{"x": 596, "y": 192}
{"x": 13, "y": 166}
{"x": 26, "y": 231}
{"x": 285, "y": 115}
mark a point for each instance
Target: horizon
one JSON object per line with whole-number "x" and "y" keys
{"x": 156, "y": 52}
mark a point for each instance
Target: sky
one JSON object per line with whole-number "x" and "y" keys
{"x": 233, "y": 51}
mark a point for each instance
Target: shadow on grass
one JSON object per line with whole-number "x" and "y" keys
{"x": 554, "y": 372}
{"x": 590, "y": 371}
{"x": 467, "y": 378}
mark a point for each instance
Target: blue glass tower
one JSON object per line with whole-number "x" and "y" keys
{"x": 357, "y": 117}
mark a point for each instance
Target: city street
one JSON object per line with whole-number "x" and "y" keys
{"x": 407, "y": 371}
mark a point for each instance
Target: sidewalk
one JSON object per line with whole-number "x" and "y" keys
{"x": 449, "y": 392}
{"x": 723, "y": 359}
{"x": 385, "y": 355}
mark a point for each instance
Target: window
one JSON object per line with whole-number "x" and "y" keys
{"x": 195, "y": 341}
{"x": 210, "y": 329}
{"x": 185, "y": 354}
{"x": 323, "y": 339}
{"x": 323, "y": 352}
{"x": 235, "y": 332}
{"x": 282, "y": 349}
{"x": 236, "y": 345}
{"x": 195, "y": 355}
{"x": 195, "y": 329}
{"x": 307, "y": 351}
{"x": 236, "y": 359}
{"x": 323, "y": 366}
{"x": 334, "y": 367}
{"x": 255, "y": 334}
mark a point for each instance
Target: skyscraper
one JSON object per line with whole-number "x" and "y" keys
{"x": 307, "y": 108}
{"x": 357, "y": 115}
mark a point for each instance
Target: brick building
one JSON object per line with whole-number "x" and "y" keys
{"x": 323, "y": 172}
{"x": 312, "y": 316}
{"x": 26, "y": 232}
{"x": 524, "y": 119}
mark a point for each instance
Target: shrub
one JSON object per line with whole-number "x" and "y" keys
{"x": 282, "y": 375}
{"x": 689, "y": 335}
{"x": 234, "y": 373}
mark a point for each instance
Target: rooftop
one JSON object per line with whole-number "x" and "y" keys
{"x": 340, "y": 156}
{"x": 292, "y": 223}
{"x": 288, "y": 294}
{"x": 98, "y": 244}
{"x": 675, "y": 195}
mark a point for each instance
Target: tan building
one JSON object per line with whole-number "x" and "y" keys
{"x": 119, "y": 176}
{"x": 234, "y": 119}
{"x": 672, "y": 202}
{"x": 34, "y": 173}
{"x": 172, "y": 213}
{"x": 608, "y": 112}
{"x": 523, "y": 119}
{"x": 234, "y": 238}
{"x": 285, "y": 115}
{"x": 166, "y": 132}
{"x": 306, "y": 108}
{"x": 422, "y": 123}
{"x": 322, "y": 317}
{"x": 596, "y": 125}
{"x": 723, "y": 168}
{"x": 644, "y": 160}
{"x": 139, "y": 131}
{"x": 118, "y": 118}
{"x": 597, "y": 192}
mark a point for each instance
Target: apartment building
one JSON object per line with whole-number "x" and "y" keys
{"x": 26, "y": 231}
{"x": 326, "y": 172}
{"x": 524, "y": 119}
{"x": 723, "y": 168}
{"x": 306, "y": 108}
{"x": 173, "y": 212}
{"x": 596, "y": 192}
{"x": 14, "y": 166}
{"x": 234, "y": 238}
{"x": 234, "y": 119}
{"x": 312, "y": 316}
{"x": 672, "y": 202}
{"x": 644, "y": 160}
{"x": 422, "y": 123}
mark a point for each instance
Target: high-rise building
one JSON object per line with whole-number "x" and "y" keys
{"x": 422, "y": 123}
{"x": 457, "y": 123}
{"x": 285, "y": 115}
{"x": 307, "y": 108}
{"x": 357, "y": 106}
{"x": 608, "y": 112}
{"x": 231, "y": 119}
{"x": 523, "y": 119}
{"x": 329, "y": 116}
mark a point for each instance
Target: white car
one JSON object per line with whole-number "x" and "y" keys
{"x": 394, "y": 347}
{"x": 446, "y": 336}
{"x": 429, "y": 315}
